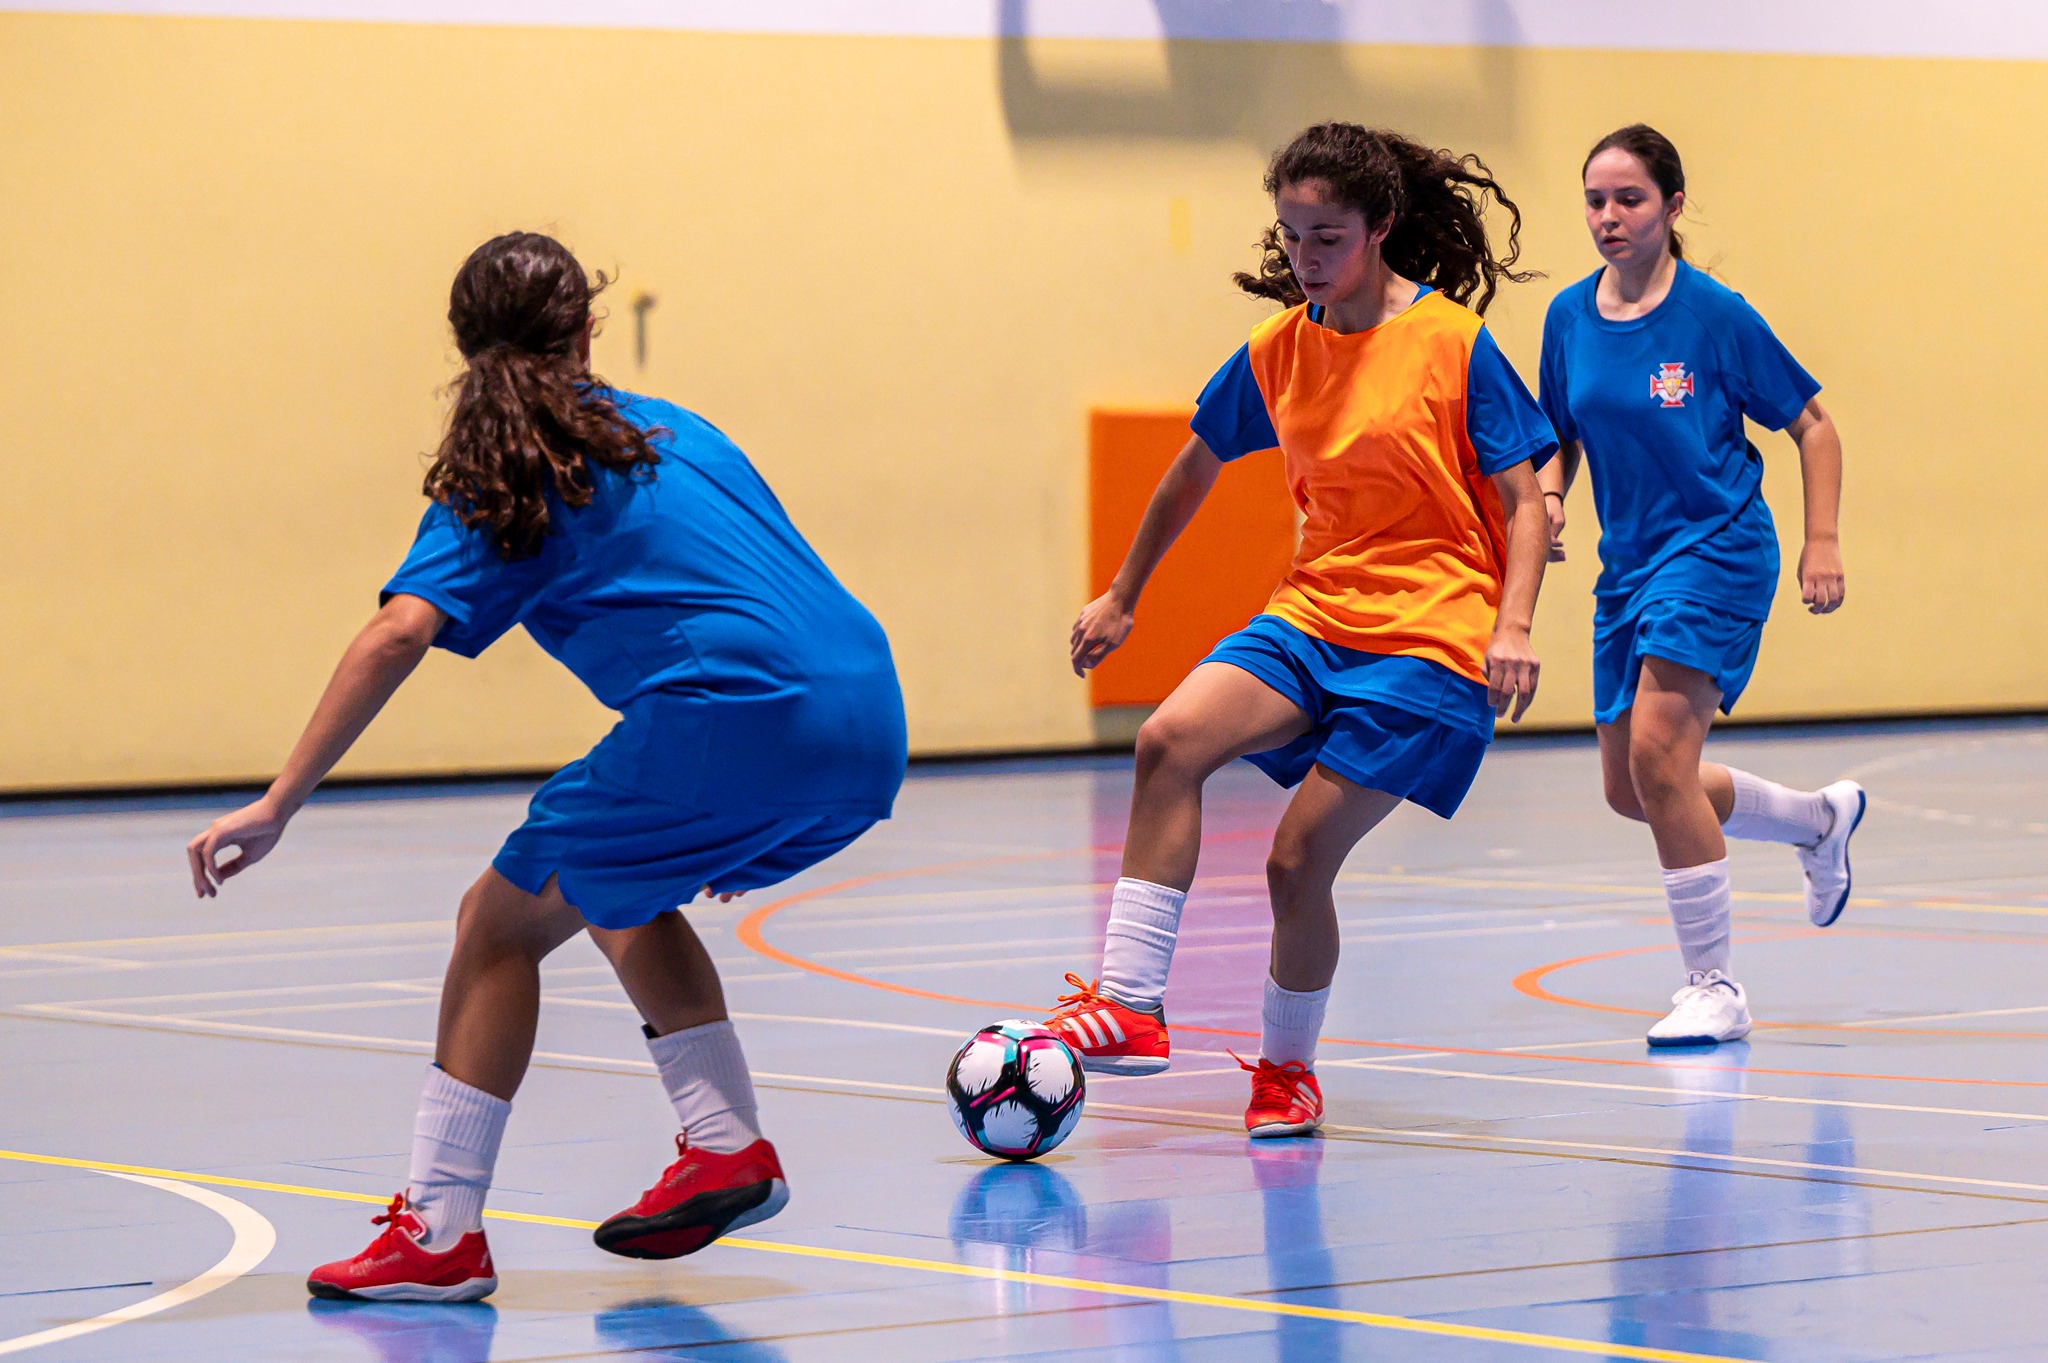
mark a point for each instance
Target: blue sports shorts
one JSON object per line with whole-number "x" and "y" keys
{"x": 1405, "y": 726}
{"x": 642, "y": 822}
{"x": 1684, "y": 632}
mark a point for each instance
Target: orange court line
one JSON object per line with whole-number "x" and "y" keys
{"x": 749, "y": 933}
{"x": 1530, "y": 982}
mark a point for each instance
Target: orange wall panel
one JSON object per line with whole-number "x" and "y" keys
{"x": 1217, "y": 576}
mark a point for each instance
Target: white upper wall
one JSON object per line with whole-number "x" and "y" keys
{"x": 2006, "y": 29}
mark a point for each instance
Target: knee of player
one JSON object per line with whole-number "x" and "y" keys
{"x": 1658, "y": 770}
{"x": 483, "y": 930}
{"x": 1292, "y": 877}
{"x": 1167, "y": 742}
{"x": 1621, "y": 795}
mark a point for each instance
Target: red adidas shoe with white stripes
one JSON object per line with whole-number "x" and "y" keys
{"x": 1108, "y": 1037}
{"x": 395, "y": 1268}
{"x": 697, "y": 1199}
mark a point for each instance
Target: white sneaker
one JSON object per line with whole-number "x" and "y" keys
{"x": 1710, "y": 1009}
{"x": 1827, "y": 862}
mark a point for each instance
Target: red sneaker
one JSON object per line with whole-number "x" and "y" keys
{"x": 1108, "y": 1037}
{"x": 395, "y": 1268}
{"x": 1286, "y": 1099}
{"x": 698, "y": 1198}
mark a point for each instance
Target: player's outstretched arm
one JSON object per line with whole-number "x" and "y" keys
{"x": 1511, "y": 665}
{"x": 382, "y": 656}
{"x": 1106, "y": 621}
{"x": 1821, "y": 584}
{"x": 1555, "y": 478}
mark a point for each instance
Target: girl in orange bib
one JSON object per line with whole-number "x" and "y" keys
{"x": 1402, "y": 629}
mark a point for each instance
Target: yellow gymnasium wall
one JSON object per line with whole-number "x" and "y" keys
{"x": 900, "y": 271}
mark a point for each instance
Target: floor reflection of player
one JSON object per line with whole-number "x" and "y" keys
{"x": 1665, "y": 1289}
{"x": 657, "y": 1327}
{"x": 1289, "y": 1176}
{"x": 406, "y": 1332}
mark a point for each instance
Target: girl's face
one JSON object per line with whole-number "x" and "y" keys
{"x": 1629, "y": 217}
{"x": 1333, "y": 252}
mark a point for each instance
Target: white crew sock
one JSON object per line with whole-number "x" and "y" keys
{"x": 1290, "y": 1022}
{"x": 1698, "y": 898}
{"x": 706, "y": 1076}
{"x": 1768, "y": 812}
{"x": 455, "y": 1142}
{"x": 1144, "y": 920}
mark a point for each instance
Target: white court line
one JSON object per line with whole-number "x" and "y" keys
{"x": 1263, "y": 931}
{"x": 255, "y": 1237}
{"x": 832, "y": 921}
{"x": 1699, "y": 1095}
{"x": 242, "y": 934}
{"x": 273, "y": 991}
{"x": 173, "y": 963}
{"x": 271, "y": 1010}
{"x": 67, "y": 957}
{"x": 1361, "y": 939}
{"x": 1946, "y": 1017}
{"x": 399, "y": 1044}
{"x": 1454, "y": 1138}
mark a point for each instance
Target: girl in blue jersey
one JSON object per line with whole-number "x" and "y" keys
{"x": 761, "y": 731}
{"x": 1649, "y": 369}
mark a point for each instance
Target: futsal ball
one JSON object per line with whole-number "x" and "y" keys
{"x": 1015, "y": 1090}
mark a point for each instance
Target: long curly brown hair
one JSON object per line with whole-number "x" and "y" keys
{"x": 530, "y": 419}
{"x": 1435, "y": 200}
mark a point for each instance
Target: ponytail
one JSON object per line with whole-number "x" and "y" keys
{"x": 1436, "y": 202}
{"x": 530, "y": 419}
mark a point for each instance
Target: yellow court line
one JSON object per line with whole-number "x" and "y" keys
{"x": 1171, "y": 1296}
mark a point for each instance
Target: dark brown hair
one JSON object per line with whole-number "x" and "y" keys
{"x": 1658, "y": 156}
{"x": 1435, "y": 200}
{"x": 529, "y": 417}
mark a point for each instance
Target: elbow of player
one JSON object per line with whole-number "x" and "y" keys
{"x": 399, "y": 641}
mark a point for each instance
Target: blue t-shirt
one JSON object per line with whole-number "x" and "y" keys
{"x": 1503, "y": 422}
{"x": 1658, "y": 404}
{"x": 687, "y": 583}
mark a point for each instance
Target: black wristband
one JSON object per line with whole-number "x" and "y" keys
{"x": 1558, "y": 495}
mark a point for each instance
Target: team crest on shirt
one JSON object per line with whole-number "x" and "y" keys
{"x": 1671, "y": 384}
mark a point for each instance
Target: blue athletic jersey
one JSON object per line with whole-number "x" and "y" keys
{"x": 687, "y": 581}
{"x": 1658, "y": 404}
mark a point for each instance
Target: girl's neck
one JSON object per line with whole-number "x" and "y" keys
{"x": 1383, "y": 295}
{"x": 1627, "y": 292}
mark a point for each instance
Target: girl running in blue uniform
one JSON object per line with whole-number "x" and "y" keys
{"x": 761, "y": 731}
{"x": 1649, "y": 368}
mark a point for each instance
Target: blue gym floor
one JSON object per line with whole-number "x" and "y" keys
{"x": 198, "y": 1102}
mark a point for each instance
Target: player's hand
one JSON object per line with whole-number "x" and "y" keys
{"x": 251, "y": 830}
{"x": 1820, "y": 576}
{"x": 1554, "y": 508}
{"x": 1104, "y": 625}
{"x": 726, "y": 898}
{"x": 1511, "y": 669}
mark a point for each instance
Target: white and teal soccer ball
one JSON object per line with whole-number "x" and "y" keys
{"x": 1015, "y": 1090}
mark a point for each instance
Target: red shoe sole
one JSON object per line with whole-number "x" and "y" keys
{"x": 689, "y": 1226}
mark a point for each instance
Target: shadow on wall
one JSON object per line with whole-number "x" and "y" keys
{"x": 1263, "y": 92}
